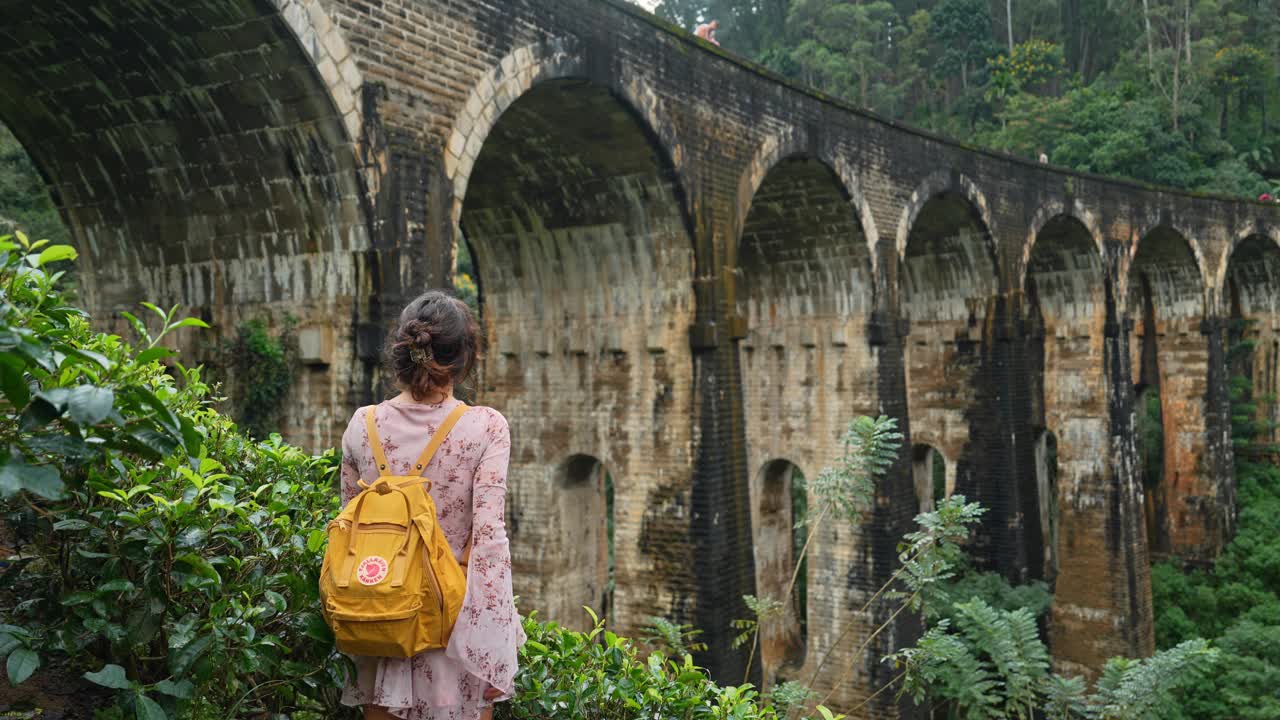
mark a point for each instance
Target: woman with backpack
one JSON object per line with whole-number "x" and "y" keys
{"x": 426, "y": 439}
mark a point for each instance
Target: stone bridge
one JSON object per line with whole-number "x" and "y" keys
{"x": 692, "y": 275}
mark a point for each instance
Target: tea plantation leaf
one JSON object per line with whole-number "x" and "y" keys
{"x": 42, "y": 480}
{"x": 12, "y": 381}
{"x": 153, "y": 354}
{"x": 22, "y": 662}
{"x": 182, "y": 689}
{"x": 117, "y": 585}
{"x": 148, "y": 709}
{"x": 110, "y": 676}
{"x": 55, "y": 253}
{"x": 199, "y": 565}
{"x": 71, "y": 525}
{"x": 89, "y": 405}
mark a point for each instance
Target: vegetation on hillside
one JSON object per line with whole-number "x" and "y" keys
{"x": 1163, "y": 91}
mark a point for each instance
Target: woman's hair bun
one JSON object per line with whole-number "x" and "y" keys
{"x": 435, "y": 345}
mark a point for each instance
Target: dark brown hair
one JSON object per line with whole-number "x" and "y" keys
{"x": 436, "y": 344}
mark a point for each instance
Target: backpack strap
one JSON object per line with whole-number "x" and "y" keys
{"x": 375, "y": 443}
{"x": 420, "y": 466}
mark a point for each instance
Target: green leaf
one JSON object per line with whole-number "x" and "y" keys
{"x": 13, "y": 381}
{"x": 316, "y": 540}
{"x": 189, "y": 322}
{"x": 22, "y": 662}
{"x": 55, "y": 253}
{"x": 110, "y": 676}
{"x": 147, "y": 709}
{"x": 277, "y": 600}
{"x": 183, "y": 659}
{"x": 153, "y": 354}
{"x": 117, "y": 585}
{"x": 71, "y": 525}
{"x": 89, "y": 405}
{"x": 42, "y": 480}
{"x": 182, "y": 689}
{"x": 82, "y": 354}
{"x": 199, "y": 565}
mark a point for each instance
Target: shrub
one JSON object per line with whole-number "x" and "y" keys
{"x": 159, "y": 550}
{"x": 597, "y": 675}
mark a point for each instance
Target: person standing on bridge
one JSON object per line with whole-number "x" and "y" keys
{"x": 435, "y": 347}
{"x": 707, "y": 31}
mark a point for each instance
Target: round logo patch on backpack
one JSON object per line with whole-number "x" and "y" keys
{"x": 372, "y": 570}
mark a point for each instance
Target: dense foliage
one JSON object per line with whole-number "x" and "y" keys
{"x": 1164, "y": 91}
{"x": 596, "y": 675}
{"x": 159, "y": 550}
{"x": 257, "y": 368}
{"x": 24, "y": 202}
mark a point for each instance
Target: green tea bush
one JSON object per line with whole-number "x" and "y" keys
{"x": 597, "y": 675}
{"x": 159, "y": 551}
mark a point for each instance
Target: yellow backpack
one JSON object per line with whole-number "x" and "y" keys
{"x": 390, "y": 585}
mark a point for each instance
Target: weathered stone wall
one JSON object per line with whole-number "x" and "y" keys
{"x": 202, "y": 154}
{"x": 688, "y": 269}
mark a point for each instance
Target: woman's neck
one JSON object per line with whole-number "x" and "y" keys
{"x": 435, "y": 398}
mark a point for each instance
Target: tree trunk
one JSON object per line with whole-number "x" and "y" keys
{"x": 1151, "y": 48}
{"x": 1008, "y": 16}
{"x": 1186, "y": 27}
{"x": 1177, "y": 66}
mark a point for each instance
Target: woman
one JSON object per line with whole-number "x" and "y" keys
{"x": 434, "y": 348}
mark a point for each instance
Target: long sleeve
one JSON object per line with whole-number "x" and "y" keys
{"x": 488, "y": 632}
{"x": 352, "y": 440}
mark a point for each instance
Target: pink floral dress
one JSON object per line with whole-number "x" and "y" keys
{"x": 469, "y": 474}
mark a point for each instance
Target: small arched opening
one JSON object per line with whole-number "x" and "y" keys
{"x": 780, "y": 534}
{"x": 1047, "y": 492}
{"x": 583, "y": 545}
{"x": 932, "y": 481}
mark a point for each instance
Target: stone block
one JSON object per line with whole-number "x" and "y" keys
{"x": 315, "y": 345}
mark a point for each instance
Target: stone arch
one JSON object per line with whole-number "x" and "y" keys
{"x": 971, "y": 261}
{"x": 1249, "y": 288}
{"x": 1065, "y": 316}
{"x": 328, "y": 49}
{"x": 212, "y": 170}
{"x": 1250, "y": 232}
{"x": 782, "y": 641}
{"x": 1166, "y": 238}
{"x": 582, "y": 245}
{"x": 792, "y": 143}
{"x": 519, "y": 72}
{"x": 803, "y": 250}
{"x": 1054, "y": 211}
{"x": 1063, "y": 273}
{"x": 959, "y": 377}
{"x": 939, "y": 183}
{"x": 580, "y": 541}
{"x": 1165, "y": 294}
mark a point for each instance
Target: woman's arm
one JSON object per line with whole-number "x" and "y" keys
{"x": 488, "y": 632}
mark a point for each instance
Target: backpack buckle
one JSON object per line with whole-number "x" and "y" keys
{"x": 383, "y": 487}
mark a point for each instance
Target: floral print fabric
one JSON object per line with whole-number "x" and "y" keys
{"x": 469, "y": 484}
